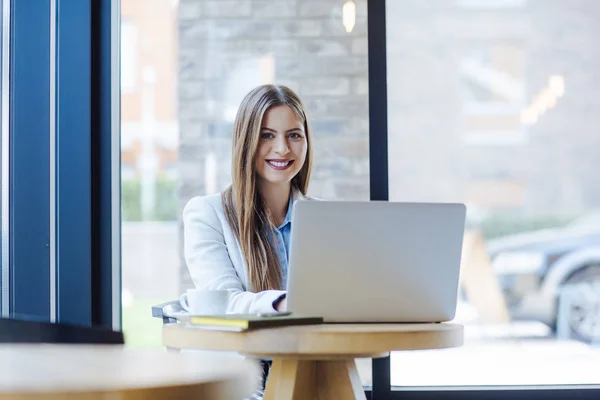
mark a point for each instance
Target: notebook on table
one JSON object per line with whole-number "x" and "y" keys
{"x": 245, "y": 322}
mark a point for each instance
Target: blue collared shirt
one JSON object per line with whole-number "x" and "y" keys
{"x": 282, "y": 242}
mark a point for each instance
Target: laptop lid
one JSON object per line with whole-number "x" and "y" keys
{"x": 375, "y": 261}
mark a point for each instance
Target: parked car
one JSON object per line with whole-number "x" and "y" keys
{"x": 534, "y": 266}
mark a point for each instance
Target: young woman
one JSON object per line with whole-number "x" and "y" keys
{"x": 239, "y": 239}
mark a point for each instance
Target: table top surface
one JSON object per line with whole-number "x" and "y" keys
{"x": 357, "y": 340}
{"x": 46, "y": 368}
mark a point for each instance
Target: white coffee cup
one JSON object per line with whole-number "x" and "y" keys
{"x": 205, "y": 302}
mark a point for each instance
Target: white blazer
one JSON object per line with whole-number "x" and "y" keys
{"x": 214, "y": 257}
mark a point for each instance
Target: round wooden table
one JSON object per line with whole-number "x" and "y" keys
{"x": 317, "y": 361}
{"x": 45, "y": 371}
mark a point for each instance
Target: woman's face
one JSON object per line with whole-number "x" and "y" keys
{"x": 282, "y": 146}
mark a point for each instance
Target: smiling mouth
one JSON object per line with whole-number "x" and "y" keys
{"x": 280, "y": 164}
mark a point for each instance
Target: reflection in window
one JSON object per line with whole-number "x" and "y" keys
{"x": 493, "y": 86}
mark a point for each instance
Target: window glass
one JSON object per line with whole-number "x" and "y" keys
{"x": 494, "y": 104}
{"x": 186, "y": 66}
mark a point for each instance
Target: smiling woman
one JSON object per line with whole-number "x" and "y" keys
{"x": 271, "y": 165}
{"x": 239, "y": 240}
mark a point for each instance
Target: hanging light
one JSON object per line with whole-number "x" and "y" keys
{"x": 349, "y": 15}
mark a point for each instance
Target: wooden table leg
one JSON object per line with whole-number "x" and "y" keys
{"x": 295, "y": 379}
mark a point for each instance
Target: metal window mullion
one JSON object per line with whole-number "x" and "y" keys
{"x": 52, "y": 164}
{"x": 73, "y": 162}
{"x": 28, "y": 172}
{"x": 115, "y": 161}
{"x": 106, "y": 163}
{"x": 4, "y": 160}
{"x": 378, "y": 148}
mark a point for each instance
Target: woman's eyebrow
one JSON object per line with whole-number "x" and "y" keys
{"x": 264, "y": 128}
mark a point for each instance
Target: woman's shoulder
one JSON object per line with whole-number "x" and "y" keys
{"x": 204, "y": 207}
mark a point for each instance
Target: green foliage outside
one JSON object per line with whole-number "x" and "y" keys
{"x": 139, "y": 327}
{"x": 166, "y": 208}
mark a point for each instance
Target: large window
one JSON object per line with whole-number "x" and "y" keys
{"x": 494, "y": 104}
{"x": 196, "y": 59}
{"x": 490, "y": 103}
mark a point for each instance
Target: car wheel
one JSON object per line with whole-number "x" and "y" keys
{"x": 584, "y": 303}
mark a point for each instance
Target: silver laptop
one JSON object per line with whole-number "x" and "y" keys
{"x": 375, "y": 261}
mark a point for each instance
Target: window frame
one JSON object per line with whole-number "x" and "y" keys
{"x": 29, "y": 160}
{"x": 64, "y": 255}
{"x": 88, "y": 279}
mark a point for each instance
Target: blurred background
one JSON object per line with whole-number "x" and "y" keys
{"x": 492, "y": 103}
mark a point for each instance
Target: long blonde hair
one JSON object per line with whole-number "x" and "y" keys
{"x": 244, "y": 206}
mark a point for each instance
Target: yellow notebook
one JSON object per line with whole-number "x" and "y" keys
{"x": 242, "y": 322}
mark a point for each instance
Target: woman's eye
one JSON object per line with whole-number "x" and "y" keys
{"x": 266, "y": 135}
{"x": 295, "y": 136}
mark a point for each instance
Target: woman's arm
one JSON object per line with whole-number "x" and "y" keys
{"x": 207, "y": 259}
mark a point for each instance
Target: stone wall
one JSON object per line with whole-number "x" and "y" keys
{"x": 228, "y": 47}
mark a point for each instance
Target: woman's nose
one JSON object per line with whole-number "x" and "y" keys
{"x": 281, "y": 146}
